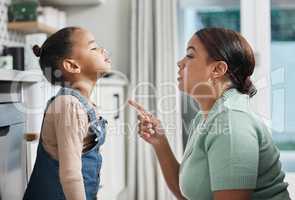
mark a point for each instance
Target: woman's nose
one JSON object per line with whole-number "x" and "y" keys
{"x": 179, "y": 63}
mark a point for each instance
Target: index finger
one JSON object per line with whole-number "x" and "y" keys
{"x": 139, "y": 108}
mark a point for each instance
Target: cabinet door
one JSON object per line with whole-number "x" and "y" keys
{"x": 110, "y": 101}
{"x": 12, "y": 162}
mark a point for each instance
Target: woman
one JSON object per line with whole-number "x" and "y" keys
{"x": 230, "y": 154}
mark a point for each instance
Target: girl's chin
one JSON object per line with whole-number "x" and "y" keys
{"x": 104, "y": 70}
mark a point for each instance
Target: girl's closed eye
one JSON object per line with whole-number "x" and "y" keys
{"x": 189, "y": 56}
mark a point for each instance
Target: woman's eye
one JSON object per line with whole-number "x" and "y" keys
{"x": 95, "y": 48}
{"x": 189, "y": 56}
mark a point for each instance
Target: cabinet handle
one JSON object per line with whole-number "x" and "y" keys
{"x": 4, "y": 130}
{"x": 118, "y": 106}
{"x": 30, "y": 137}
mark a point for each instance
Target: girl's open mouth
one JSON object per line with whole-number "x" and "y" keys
{"x": 108, "y": 60}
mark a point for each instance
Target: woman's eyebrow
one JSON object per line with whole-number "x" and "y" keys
{"x": 191, "y": 47}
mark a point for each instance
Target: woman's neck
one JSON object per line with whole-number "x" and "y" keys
{"x": 206, "y": 103}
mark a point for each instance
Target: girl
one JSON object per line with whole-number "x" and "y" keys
{"x": 68, "y": 159}
{"x": 230, "y": 154}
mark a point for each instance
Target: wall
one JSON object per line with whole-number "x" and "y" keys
{"x": 110, "y": 23}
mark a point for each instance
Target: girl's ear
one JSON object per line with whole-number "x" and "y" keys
{"x": 71, "y": 66}
{"x": 219, "y": 69}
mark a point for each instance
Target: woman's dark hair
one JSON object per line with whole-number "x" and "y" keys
{"x": 231, "y": 47}
{"x": 56, "y": 47}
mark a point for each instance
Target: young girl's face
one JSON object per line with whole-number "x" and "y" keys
{"x": 93, "y": 59}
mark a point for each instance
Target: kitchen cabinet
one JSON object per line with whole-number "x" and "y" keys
{"x": 109, "y": 97}
{"x": 20, "y": 76}
{"x": 12, "y": 151}
{"x": 13, "y": 126}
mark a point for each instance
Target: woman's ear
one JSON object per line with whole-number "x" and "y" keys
{"x": 219, "y": 69}
{"x": 71, "y": 66}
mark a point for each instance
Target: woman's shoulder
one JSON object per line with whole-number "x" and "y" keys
{"x": 233, "y": 108}
{"x": 231, "y": 119}
{"x": 238, "y": 125}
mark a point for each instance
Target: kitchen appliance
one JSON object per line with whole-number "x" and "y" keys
{"x": 12, "y": 145}
{"x": 18, "y": 54}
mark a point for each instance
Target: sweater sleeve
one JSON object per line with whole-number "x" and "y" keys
{"x": 233, "y": 152}
{"x": 70, "y": 124}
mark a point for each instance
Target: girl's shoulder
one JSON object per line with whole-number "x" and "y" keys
{"x": 66, "y": 104}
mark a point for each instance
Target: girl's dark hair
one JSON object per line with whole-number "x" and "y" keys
{"x": 56, "y": 47}
{"x": 231, "y": 47}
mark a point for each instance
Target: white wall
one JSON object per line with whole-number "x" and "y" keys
{"x": 110, "y": 22}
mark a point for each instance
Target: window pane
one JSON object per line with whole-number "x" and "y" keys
{"x": 278, "y": 114}
{"x": 282, "y": 24}
{"x": 227, "y": 18}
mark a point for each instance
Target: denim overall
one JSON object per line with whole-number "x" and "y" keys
{"x": 44, "y": 182}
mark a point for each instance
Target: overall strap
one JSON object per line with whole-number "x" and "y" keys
{"x": 97, "y": 126}
{"x": 86, "y": 106}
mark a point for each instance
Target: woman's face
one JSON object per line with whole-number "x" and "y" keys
{"x": 93, "y": 59}
{"x": 195, "y": 70}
